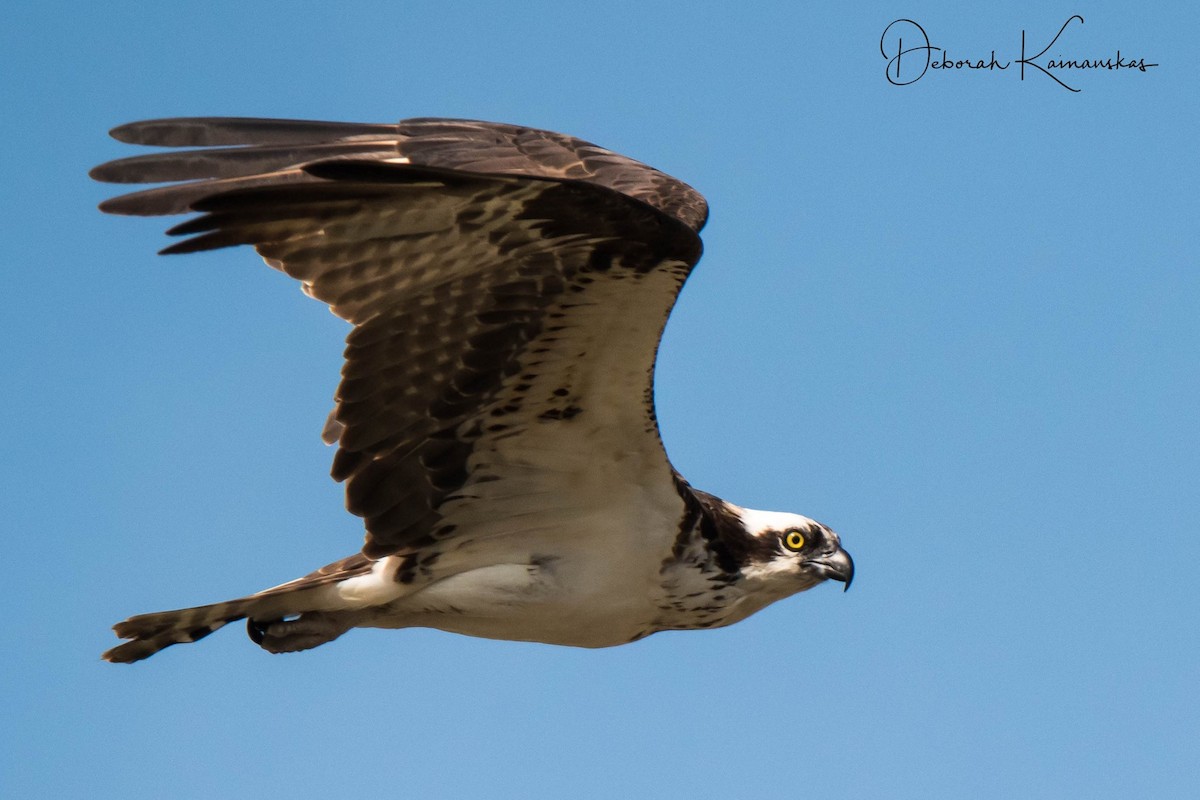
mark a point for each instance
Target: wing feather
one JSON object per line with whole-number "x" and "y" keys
{"x": 501, "y": 281}
{"x": 279, "y": 146}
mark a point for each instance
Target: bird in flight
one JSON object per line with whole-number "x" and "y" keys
{"x": 507, "y": 288}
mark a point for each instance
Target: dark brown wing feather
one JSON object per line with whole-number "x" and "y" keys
{"x": 249, "y": 148}
{"x": 453, "y": 269}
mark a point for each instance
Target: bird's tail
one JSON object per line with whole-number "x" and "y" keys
{"x": 150, "y": 633}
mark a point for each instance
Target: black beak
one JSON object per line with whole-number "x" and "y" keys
{"x": 837, "y": 565}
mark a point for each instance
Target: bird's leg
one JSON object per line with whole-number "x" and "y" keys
{"x": 302, "y": 633}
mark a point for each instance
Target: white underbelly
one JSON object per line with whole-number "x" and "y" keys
{"x": 592, "y": 586}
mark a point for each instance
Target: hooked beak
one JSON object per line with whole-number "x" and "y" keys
{"x": 837, "y": 565}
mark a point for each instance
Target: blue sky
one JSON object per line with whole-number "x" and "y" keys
{"x": 959, "y": 321}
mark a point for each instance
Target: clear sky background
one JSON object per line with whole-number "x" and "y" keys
{"x": 958, "y": 321}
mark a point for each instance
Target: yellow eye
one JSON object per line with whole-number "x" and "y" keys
{"x": 793, "y": 540}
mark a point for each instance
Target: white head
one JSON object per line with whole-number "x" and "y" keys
{"x": 792, "y": 552}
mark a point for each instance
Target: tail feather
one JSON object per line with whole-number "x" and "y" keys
{"x": 153, "y": 632}
{"x": 312, "y": 593}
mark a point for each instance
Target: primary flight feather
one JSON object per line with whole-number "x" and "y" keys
{"x": 495, "y": 422}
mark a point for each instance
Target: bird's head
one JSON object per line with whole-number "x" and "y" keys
{"x": 790, "y": 549}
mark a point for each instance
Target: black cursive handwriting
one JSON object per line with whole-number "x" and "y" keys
{"x": 907, "y": 64}
{"x": 1107, "y": 63}
{"x": 945, "y": 62}
{"x": 1023, "y": 60}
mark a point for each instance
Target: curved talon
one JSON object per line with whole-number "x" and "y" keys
{"x": 257, "y": 631}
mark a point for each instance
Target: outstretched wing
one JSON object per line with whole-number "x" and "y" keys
{"x": 507, "y": 287}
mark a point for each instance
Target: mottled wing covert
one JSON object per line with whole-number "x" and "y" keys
{"x": 480, "y": 265}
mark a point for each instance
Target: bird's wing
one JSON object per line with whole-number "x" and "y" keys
{"x": 507, "y": 288}
{"x": 239, "y": 152}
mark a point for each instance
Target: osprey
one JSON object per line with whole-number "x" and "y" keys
{"x": 495, "y": 422}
